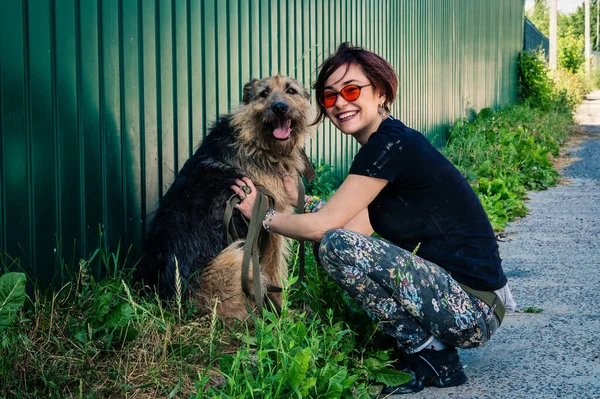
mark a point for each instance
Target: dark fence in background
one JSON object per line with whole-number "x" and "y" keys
{"x": 534, "y": 40}
{"x": 102, "y": 101}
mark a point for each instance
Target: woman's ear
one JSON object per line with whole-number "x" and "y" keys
{"x": 382, "y": 101}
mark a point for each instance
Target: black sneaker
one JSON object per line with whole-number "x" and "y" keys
{"x": 438, "y": 368}
{"x": 429, "y": 368}
{"x": 412, "y": 386}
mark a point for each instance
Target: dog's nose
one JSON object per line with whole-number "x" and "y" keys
{"x": 280, "y": 108}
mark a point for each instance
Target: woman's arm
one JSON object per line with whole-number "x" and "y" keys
{"x": 312, "y": 204}
{"x": 352, "y": 198}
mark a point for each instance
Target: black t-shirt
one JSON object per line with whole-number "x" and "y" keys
{"x": 428, "y": 202}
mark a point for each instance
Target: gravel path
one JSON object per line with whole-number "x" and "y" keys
{"x": 552, "y": 260}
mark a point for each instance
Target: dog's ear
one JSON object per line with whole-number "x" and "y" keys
{"x": 249, "y": 90}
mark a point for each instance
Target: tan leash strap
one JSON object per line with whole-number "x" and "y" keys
{"x": 309, "y": 171}
{"x": 251, "y": 247}
{"x": 251, "y": 250}
{"x": 301, "y": 252}
{"x": 230, "y": 231}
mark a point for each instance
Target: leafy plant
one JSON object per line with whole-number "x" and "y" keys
{"x": 377, "y": 365}
{"x": 300, "y": 355}
{"x": 505, "y": 153}
{"x": 571, "y": 56}
{"x": 532, "y": 309}
{"x": 12, "y": 297}
{"x": 325, "y": 183}
{"x": 109, "y": 315}
{"x": 534, "y": 86}
{"x": 291, "y": 355}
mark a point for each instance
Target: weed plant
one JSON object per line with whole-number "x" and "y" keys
{"x": 504, "y": 154}
{"x": 325, "y": 182}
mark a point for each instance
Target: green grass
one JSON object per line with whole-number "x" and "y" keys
{"x": 97, "y": 339}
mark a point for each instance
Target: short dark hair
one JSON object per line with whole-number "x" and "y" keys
{"x": 379, "y": 72}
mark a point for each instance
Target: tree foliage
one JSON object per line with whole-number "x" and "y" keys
{"x": 576, "y": 22}
{"x": 571, "y": 30}
{"x": 571, "y": 56}
{"x": 540, "y": 16}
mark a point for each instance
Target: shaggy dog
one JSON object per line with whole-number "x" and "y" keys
{"x": 186, "y": 235}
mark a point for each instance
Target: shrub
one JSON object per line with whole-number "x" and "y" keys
{"x": 534, "y": 85}
{"x": 569, "y": 88}
{"x": 571, "y": 56}
{"x": 546, "y": 90}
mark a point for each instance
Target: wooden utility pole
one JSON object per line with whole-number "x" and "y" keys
{"x": 553, "y": 35}
{"x": 588, "y": 41}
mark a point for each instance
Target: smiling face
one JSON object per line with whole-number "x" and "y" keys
{"x": 359, "y": 118}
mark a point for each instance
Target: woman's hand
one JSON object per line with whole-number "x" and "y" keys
{"x": 290, "y": 186}
{"x": 246, "y": 190}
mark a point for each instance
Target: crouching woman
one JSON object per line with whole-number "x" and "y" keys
{"x": 435, "y": 281}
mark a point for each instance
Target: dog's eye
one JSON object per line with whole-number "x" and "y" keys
{"x": 265, "y": 93}
{"x": 291, "y": 90}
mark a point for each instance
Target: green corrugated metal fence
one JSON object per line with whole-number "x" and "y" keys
{"x": 102, "y": 101}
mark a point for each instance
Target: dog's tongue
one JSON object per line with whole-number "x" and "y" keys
{"x": 283, "y": 129}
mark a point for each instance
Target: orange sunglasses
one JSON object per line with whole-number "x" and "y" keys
{"x": 348, "y": 93}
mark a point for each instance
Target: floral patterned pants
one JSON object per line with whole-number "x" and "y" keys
{"x": 410, "y": 298}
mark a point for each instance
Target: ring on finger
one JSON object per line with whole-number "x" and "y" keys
{"x": 246, "y": 189}
{"x": 242, "y": 196}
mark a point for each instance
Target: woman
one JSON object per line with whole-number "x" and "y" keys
{"x": 438, "y": 239}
